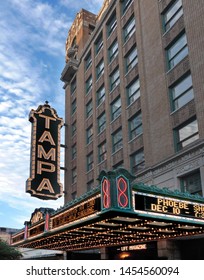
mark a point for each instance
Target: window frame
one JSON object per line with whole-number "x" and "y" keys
{"x": 169, "y": 23}
{"x": 111, "y": 24}
{"x": 89, "y": 162}
{"x": 100, "y": 69}
{"x": 114, "y": 81}
{"x": 89, "y": 84}
{"x": 89, "y": 134}
{"x": 181, "y": 93}
{"x": 117, "y": 112}
{"x": 73, "y": 128}
{"x": 177, "y": 135}
{"x": 88, "y": 61}
{"x": 179, "y": 54}
{"x": 99, "y": 43}
{"x": 89, "y": 109}
{"x": 133, "y": 60}
{"x": 73, "y": 85}
{"x": 101, "y": 126}
{"x": 90, "y": 185}
{"x": 187, "y": 177}
{"x": 74, "y": 175}
{"x": 102, "y": 152}
{"x": 137, "y": 166}
{"x": 111, "y": 52}
{"x": 100, "y": 95}
{"x": 137, "y": 129}
{"x": 125, "y": 5}
{"x": 128, "y": 33}
{"x": 133, "y": 95}
{"x": 74, "y": 151}
{"x": 118, "y": 144}
{"x": 73, "y": 106}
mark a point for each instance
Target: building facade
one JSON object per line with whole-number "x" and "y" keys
{"x": 134, "y": 96}
{"x": 5, "y": 234}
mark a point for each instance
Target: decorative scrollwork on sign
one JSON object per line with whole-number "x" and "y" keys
{"x": 106, "y": 193}
{"x": 123, "y": 193}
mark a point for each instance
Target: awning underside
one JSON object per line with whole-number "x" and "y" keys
{"x": 114, "y": 230}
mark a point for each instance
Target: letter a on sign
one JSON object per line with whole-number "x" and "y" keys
{"x": 44, "y": 181}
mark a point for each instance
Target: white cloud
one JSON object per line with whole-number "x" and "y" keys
{"x": 41, "y": 26}
{"x": 32, "y": 50}
{"x": 5, "y": 106}
{"x": 23, "y": 84}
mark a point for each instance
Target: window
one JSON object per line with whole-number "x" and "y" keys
{"x": 73, "y": 128}
{"x": 177, "y": 51}
{"x": 115, "y": 109}
{"x": 113, "y": 51}
{"x": 182, "y": 93}
{"x": 73, "y": 86}
{"x": 191, "y": 183}
{"x": 125, "y": 5}
{"x": 174, "y": 12}
{"x": 101, "y": 122}
{"x": 99, "y": 43}
{"x": 137, "y": 161}
{"x": 114, "y": 79}
{"x": 74, "y": 151}
{"x": 135, "y": 125}
{"x": 74, "y": 175}
{"x": 117, "y": 139}
{"x": 131, "y": 59}
{"x": 100, "y": 95}
{"x": 91, "y": 28}
{"x": 90, "y": 163}
{"x": 129, "y": 29}
{"x": 74, "y": 106}
{"x": 133, "y": 91}
{"x": 100, "y": 69}
{"x": 90, "y": 185}
{"x": 89, "y": 83}
{"x": 89, "y": 108}
{"x": 111, "y": 24}
{"x": 118, "y": 165}
{"x": 186, "y": 134}
{"x": 88, "y": 61}
{"x": 89, "y": 134}
{"x": 102, "y": 152}
{"x": 74, "y": 195}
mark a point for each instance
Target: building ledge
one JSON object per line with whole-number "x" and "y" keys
{"x": 69, "y": 70}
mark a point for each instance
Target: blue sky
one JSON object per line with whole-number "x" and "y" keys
{"x": 32, "y": 57}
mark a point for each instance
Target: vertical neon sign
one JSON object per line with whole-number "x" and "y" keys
{"x": 123, "y": 192}
{"x": 47, "y": 221}
{"x": 106, "y": 196}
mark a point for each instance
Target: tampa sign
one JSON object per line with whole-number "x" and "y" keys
{"x": 44, "y": 181}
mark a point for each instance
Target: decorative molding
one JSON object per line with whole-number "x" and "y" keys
{"x": 181, "y": 163}
{"x": 167, "y": 192}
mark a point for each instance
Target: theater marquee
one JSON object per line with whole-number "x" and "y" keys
{"x": 118, "y": 212}
{"x": 162, "y": 206}
{"x": 44, "y": 181}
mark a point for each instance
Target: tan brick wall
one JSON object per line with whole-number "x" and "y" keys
{"x": 155, "y": 79}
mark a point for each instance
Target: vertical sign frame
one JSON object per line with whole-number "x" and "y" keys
{"x": 116, "y": 190}
{"x": 44, "y": 181}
